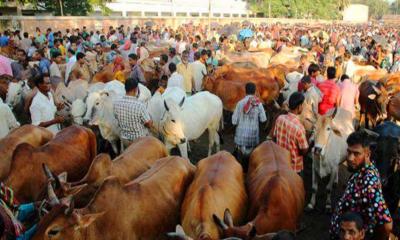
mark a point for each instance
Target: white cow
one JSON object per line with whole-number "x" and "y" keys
{"x": 351, "y": 68}
{"x": 189, "y": 119}
{"x": 7, "y": 119}
{"x": 329, "y": 150}
{"x": 15, "y": 93}
{"x": 291, "y": 84}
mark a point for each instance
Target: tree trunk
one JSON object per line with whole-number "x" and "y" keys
{"x": 61, "y": 7}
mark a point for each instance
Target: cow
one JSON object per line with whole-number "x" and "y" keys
{"x": 329, "y": 150}
{"x": 71, "y": 150}
{"x": 373, "y": 101}
{"x": 218, "y": 184}
{"x": 291, "y": 84}
{"x": 393, "y": 107}
{"x": 350, "y": 69}
{"x": 33, "y": 135}
{"x": 153, "y": 201}
{"x": 189, "y": 119}
{"x": 260, "y": 59}
{"x": 276, "y": 194}
{"x": 135, "y": 160}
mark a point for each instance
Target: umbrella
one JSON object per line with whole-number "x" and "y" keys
{"x": 245, "y": 33}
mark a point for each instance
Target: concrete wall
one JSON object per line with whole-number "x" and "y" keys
{"x": 356, "y": 13}
{"x": 30, "y": 23}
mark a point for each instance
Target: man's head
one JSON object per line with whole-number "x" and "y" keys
{"x": 203, "y": 55}
{"x": 26, "y": 35}
{"x": 71, "y": 52}
{"x": 98, "y": 48}
{"x": 172, "y": 52}
{"x": 331, "y": 72}
{"x": 80, "y": 58}
{"x": 21, "y": 55}
{"x": 306, "y": 80}
{"x": 131, "y": 85}
{"x": 57, "y": 57}
{"x": 296, "y": 101}
{"x": 185, "y": 56}
{"x": 344, "y": 77}
{"x": 163, "y": 59}
{"x": 358, "y": 151}
{"x": 250, "y": 88}
{"x": 351, "y": 227}
{"x": 172, "y": 67}
{"x": 43, "y": 83}
{"x": 313, "y": 70}
{"x": 132, "y": 59}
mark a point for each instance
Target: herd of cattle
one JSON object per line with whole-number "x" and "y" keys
{"x": 143, "y": 193}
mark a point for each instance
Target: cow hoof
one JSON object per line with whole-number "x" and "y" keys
{"x": 309, "y": 208}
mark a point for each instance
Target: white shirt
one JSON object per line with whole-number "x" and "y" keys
{"x": 199, "y": 70}
{"x": 7, "y": 119}
{"x": 176, "y": 80}
{"x": 69, "y": 67}
{"x": 55, "y": 70}
{"x": 43, "y": 109}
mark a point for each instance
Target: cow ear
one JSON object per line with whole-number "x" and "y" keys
{"x": 166, "y": 106}
{"x": 182, "y": 102}
{"x": 228, "y": 218}
{"x": 372, "y": 96}
{"x": 88, "y": 219}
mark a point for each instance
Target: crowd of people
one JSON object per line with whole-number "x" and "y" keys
{"x": 77, "y": 54}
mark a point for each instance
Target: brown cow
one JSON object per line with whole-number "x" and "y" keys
{"x": 145, "y": 208}
{"x": 260, "y": 59}
{"x": 276, "y": 193}
{"x": 217, "y": 185}
{"x": 135, "y": 160}
{"x": 72, "y": 150}
{"x": 35, "y": 136}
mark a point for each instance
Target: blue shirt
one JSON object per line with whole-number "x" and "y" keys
{"x": 50, "y": 39}
{"x": 44, "y": 65}
{"x": 3, "y": 41}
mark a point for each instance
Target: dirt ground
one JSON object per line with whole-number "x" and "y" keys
{"x": 316, "y": 223}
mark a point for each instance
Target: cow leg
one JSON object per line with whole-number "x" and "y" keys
{"x": 114, "y": 146}
{"x": 211, "y": 140}
{"x": 329, "y": 187}
{"x": 183, "y": 149}
{"x": 314, "y": 188}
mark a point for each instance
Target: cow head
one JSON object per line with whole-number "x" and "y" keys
{"x": 78, "y": 110}
{"x": 64, "y": 222}
{"x": 172, "y": 124}
{"x": 14, "y": 94}
{"x": 381, "y": 97}
{"x": 91, "y": 100}
{"x": 246, "y": 232}
{"x": 307, "y": 117}
{"x": 323, "y": 130}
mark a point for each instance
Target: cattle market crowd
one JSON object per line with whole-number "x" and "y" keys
{"x": 98, "y": 128}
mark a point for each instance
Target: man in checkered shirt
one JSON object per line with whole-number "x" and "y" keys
{"x": 247, "y": 115}
{"x": 131, "y": 114}
{"x": 290, "y": 134}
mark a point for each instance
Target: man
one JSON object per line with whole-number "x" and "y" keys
{"x": 330, "y": 92}
{"x": 174, "y": 58}
{"x": 54, "y": 68}
{"x": 112, "y": 54}
{"x": 290, "y": 134}
{"x": 313, "y": 71}
{"x": 248, "y": 113}
{"x": 136, "y": 72}
{"x": 143, "y": 52}
{"x": 50, "y": 38}
{"x": 4, "y": 39}
{"x": 19, "y": 68}
{"x": 44, "y": 63}
{"x": 70, "y": 64}
{"x": 56, "y": 48}
{"x": 83, "y": 66}
{"x": 351, "y": 227}
{"x": 349, "y": 95}
{"x": 43, "y": 108}
{"x": 363, "y": 193}
{"x": 131, "y": 114}
{"x": 164, "y": 65}
{"x": 26, "y": 42}
{"x": 7, "y": 120}
{"x": 311, "y": 94}
{"x": 185, "y": 69}
{"x": 175, "y": 80}
{"x": 199, "y": 71}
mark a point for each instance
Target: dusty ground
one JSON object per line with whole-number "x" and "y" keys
{"x": 316, "y": 223}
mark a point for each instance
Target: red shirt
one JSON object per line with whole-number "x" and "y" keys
{"x": 291, "y": 135}
{"x": 300, "y": 85}
{"x": 330, "y": 94}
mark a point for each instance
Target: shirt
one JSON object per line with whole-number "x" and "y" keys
{"x": 363, "y": 195}
{"x": 43, "y": 109}
{"x": 186, "y": 71}
{"x": 3, "y": 41}
{"x": 5, "y": 66}
{"x": 199, "y": 71}
{"x": 137, "y": 73}
{"x": 349, "y": 93}
{"x": 55, "y": 70}
{"x": 7, "y": 120}
{"x": 247, "y": 131}
{"x": 176, "y": 80}
{"x": 313, "y": 96}
{"x": 331, "y": 93}
{"x": 17, "y": 70}
{"x": 131, "y": 115}
{"x": 291, "y": 135}
{"x": 26, "y": 43}
{"x": 44, "y": 65}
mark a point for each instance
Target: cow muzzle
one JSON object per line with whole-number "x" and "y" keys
{"x": 317, "y": 150}
{"x": 183, "y": 140}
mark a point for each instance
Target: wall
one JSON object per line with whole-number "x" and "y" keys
{"x": 356, "y": 13}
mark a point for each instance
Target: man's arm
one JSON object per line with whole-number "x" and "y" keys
{"x": 36, "y": 118}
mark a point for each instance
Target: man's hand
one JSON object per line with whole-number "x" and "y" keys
{"x": 59, "y": 106}
{"x": 59, "y": 119}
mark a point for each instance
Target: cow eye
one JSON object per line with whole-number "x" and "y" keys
{"x": 173, "y": 120}
{"x": 53, "y": 232}
{"x": 97, "y": 104}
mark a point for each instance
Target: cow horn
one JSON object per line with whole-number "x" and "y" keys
{"x": 166, "y": 106}
{"x": 276, "y": 105}
{"x": 47, "y": 172}
{"x": 377, "y": 90}
{"x": 228, "y": 218}
{"x": 219, "y": 222}
{"x": 182, "y": 102}
{"x": 70, "y": 208}
{"x": 334, "y": 113}
{"x": 52, "y": 195}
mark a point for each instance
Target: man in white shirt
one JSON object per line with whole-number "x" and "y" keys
{"x": 175, "y": 80}
{"x": 199, "y": 70}
{"x": 70, "y": 64}
{"x": 26, "y": 42}
{"x": 7, "y": 119}
{"x": 43, "y": 108}
{"x": 54, "y": 68}
{"x": 143, "y": 53}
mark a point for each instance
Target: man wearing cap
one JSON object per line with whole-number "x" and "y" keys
{"x": 290, "y": 134}
{"x": 363, "y": 193}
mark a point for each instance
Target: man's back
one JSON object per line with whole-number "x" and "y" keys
{"x": 331, "y": 93}
{"x": 349, "y": 95}
{"x": 131, "y": 115}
